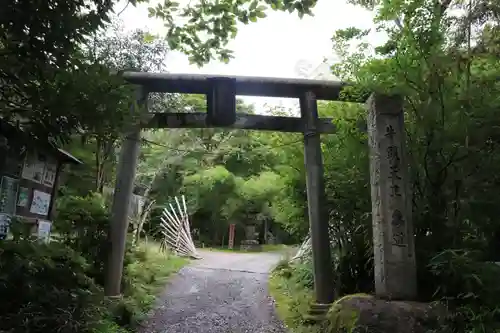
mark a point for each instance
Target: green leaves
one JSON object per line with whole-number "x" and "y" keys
{"x": 350, "y": 33}
{"x": 36, "y": 61}
{"x": 253, "y": 5}
{"x": 441, "y": 62}
{"x": 216, "y": 21}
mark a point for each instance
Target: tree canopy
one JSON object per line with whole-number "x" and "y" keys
{"x": 41, "y": 65}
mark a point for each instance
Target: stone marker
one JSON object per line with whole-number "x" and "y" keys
{"x": 393, "y": 239}
{"x": 250, "y": 243}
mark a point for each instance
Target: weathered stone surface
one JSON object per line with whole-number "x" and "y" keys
{"x": 395, "y": 268}
{"x": 250, "y": 232}
{"x": 250, "y": 245}
{"x": 364, "y": 313}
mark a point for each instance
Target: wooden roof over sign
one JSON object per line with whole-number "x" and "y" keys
{"x": 10, "y": 131}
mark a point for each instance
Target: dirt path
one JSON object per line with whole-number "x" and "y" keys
{"x": 222, "y": 293}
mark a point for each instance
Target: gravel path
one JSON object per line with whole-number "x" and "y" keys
{"x": 222, "y": 293}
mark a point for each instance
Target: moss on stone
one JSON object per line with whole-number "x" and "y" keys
{"x": 347, "y": 297}
{"x": 361, "y": 313}
{"x": 340, "y": 319}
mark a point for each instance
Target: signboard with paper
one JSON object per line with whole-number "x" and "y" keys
{"x": 4, "y": 225}
{"x": 8, "y": 195}
{"x": 40, "y": 203}
{"x": 44, "y": 230}
{"x": 34, "y": 167}
{"x": 49, "y": 176}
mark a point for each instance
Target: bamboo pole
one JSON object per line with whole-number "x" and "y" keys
{"x": 176, "y": 230}
{"x": 178, "y": 226}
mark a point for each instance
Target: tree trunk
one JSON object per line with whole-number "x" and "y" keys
{"x": 142, "y": 220}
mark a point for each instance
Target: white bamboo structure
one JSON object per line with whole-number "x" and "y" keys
{"x": 304, "y": 249}
{"x": 176, "y": 230}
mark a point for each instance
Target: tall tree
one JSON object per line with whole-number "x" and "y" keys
{"x": 38, "y": 59}
{"x": 38, "y": 43}
{"x": 107, "y": 96}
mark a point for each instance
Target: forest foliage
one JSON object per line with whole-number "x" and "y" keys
{"x": 442, "y": 57}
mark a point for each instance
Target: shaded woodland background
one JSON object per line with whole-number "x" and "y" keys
{"x": 443, "y": 57}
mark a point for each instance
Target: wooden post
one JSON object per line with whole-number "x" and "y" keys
{"x": 231, "y": 236}
{"x": 122, "y": 195}
{"x": 54, "y": 191}
{"x": 393, "y": 239}
{"x": 322, "y": 264}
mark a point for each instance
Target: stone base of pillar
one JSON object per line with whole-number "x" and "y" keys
{"x": 115, "y": 297}
{"x": 250, "y": 246}
{"x": 317, "y": 313}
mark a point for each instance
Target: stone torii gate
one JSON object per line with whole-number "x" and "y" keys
{"x": 392, "y": 228}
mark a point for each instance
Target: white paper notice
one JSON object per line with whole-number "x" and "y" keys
{"x": 40, "y": 203}
{"x": 49, "y": 177}
{"x": 4, "y": 225}
{"x": 44, "y": 230}
{"x": 34, "y": 168}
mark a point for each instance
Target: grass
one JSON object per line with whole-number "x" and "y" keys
{"x": 292, "y": 301}
{"x": 292, "y": 292}
{"x": 274, "y": 247}
{"x": 145, "y": 279}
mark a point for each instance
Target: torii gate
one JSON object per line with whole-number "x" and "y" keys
{"x": 393, "y": 236}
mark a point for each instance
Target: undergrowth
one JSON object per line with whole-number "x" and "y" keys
{"x": 466, "y": 293}
{"x": 292, "y": 299}
{"x": 145, "y": 278}
{"x": 46, "y": 287}
{"x": 58, "y": 286}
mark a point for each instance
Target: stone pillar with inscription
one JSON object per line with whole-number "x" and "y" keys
{"x": 250, "y": 243}
{"x": 393, "y": 238}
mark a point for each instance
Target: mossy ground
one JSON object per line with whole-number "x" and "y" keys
{"x": 292, "y": 303}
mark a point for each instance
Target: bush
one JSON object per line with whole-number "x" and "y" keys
{"x": 292, "y": 298}
{"x": 470, "y": 288}
{"x": 45, "y": 288}
{"x": 144, "y": 277}
{"x": 83, "y": 224}
{"x": 283, "y": 269}
{"x": 57, "y": 286}
{"x": 302, "y": 274}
